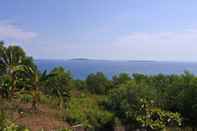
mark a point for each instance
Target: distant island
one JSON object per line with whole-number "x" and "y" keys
{"x": 88, "y": 59}
{"x": 79, "y": 59}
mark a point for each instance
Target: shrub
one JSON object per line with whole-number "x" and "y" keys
{"x": 86, "y": 111}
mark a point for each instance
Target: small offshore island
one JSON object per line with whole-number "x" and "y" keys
{"x": 82, "y": 67}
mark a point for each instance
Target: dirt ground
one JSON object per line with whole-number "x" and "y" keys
{"x": 45, "y": 118}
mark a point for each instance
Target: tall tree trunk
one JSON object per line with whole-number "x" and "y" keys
{"x": 13, "y": 88}
{"x": 34, "y": 104}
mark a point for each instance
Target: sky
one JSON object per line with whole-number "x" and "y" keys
{"x": 164, "y": 30}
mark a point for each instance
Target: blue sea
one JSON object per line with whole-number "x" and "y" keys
{"x": 80, "y": 68}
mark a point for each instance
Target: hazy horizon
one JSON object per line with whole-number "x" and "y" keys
{"x": 123, "y": 60}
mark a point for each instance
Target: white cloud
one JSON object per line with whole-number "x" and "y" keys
{"x": 11, "y": 31}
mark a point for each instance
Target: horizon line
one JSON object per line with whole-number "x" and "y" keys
{"x": 99, "y": 59}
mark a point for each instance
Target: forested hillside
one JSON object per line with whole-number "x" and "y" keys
{"x": 31, "y": 99}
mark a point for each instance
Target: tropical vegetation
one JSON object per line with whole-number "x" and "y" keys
{"x": 137, "y": 101}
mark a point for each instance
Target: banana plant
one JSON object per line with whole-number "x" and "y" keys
{"x": 35, "y": 81}
{"x": 11, "y": 61}
{"x": 59, "y": 85}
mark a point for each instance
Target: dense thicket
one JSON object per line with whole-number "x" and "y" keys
{"x": 136, "y": 101}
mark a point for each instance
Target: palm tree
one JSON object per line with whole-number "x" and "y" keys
{"x": 35, "y": 81}
{"x": 11, "y": 61}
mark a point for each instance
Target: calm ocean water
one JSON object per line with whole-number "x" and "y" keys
{"x": 81, "y": 68}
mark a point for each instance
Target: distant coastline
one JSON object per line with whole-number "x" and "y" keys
{"x": 115, "y": 60}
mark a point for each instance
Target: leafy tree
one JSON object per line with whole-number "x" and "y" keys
{"x": 12, "y": 60}
{"x": 80, "y": 84}
{"x": 120, "y": 79}
{"x": 59, "y": 85}
{"x": 187, "y": 99}
{"x": 141, "y": 78}
{"x": 134, "y": 103}
{"x": 98, "y": 83}
{"x": 124, "y": 101}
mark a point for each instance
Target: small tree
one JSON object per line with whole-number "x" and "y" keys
{"x": 59, "y": 85}
{"x": 35, "y": 81}
{"x": 98, "y": 83}
{"x": 120, "y": 79}
{"x": 12, "y": 61}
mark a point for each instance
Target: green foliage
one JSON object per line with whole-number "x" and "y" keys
{"x": 86, "y": 111}
{"x": 124, "y": 101}
{"x": 98, "y": 83}
{"x": 138, "y": 100}
{"x": 156, "y": 119}
{"x": 12, "y": 61}
{"x": 130, "y": 103}
{"x": 153, "y": 118}
{"x": 25, "y": 98}
{"x": 80, "y": 84}
{"x": 35, "y": 80}
{"x": 59, "y": 85}
{"x": 5, "y": 86}
{"x": 120, "y": 79}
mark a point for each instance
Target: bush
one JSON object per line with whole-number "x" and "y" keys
{"x": 98, "y": 83}
{"x": 86, "y": 111}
